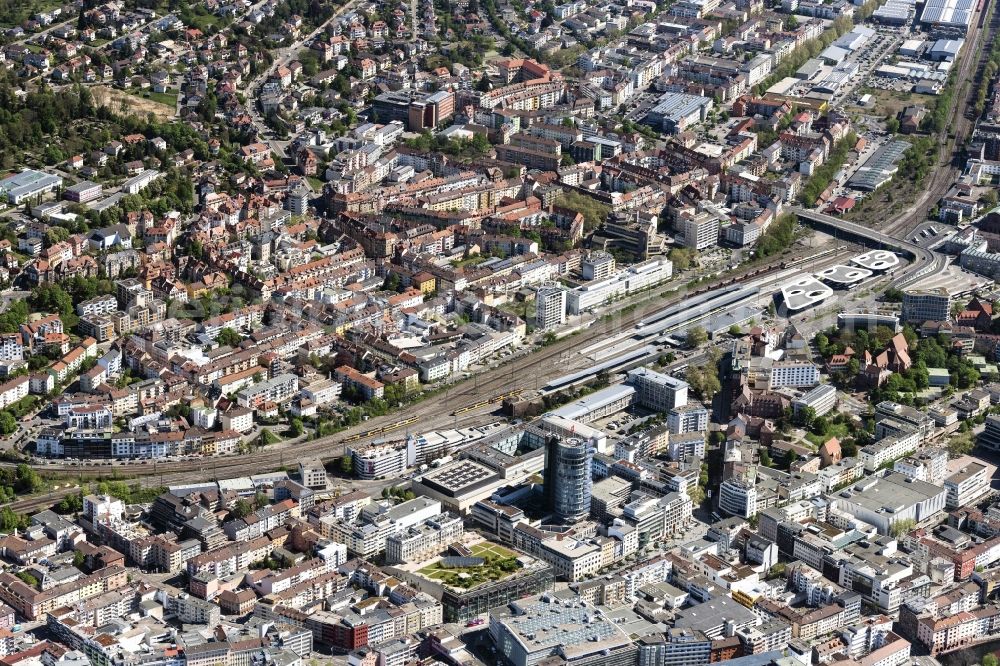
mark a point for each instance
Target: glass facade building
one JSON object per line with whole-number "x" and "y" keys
{"x": 568, "y": 481}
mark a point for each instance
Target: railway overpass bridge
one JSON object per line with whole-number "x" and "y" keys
{"x": 923, "y": 262}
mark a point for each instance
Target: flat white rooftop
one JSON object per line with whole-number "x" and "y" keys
{"x": 843, "y": 275}
{"x": 876, "y": 260}
{"x": 804, "y": 292}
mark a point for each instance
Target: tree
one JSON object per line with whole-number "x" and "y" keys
{"x": 266, "y": 438}
{"x": 78, "y": 559}
{"x": 765, "y": 458}
{"x": 990, "y": 201}
{"x": 51, "y": 297}
{"x": 681, "y": 257}
{"x": 822, "y": 344}
{"x": 8, "y": 423}
{"x": 901, "y": 527}
{"x": 391, "y": 282}
{"x": 296, "y": 426}
{"x": 72, "y": 503}
{"x": 696, "y": 337}
{"x": 697, "y": 495}
{"x": 777, "y": 571}
{"x": 15, "y": 315}
{"x": 10, "y": 520}
{"x": 346, "y": 464}
{"x": 602, "y": 379}
{"x": 29, "y": 480}
{"x": 735, "y": 330}
{"x": 55, "y": 235}
{"x": 961, "y": 444}
{"x": 241, "y": 508}
{"x": 227, "y": 337}
{"x": 990, "y": 659}
{"x": 891, "y": 125}
{"x": 704, "y": 380}
{"x": 594, "y": 212}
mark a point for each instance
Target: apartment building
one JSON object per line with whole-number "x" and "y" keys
{"x": 550, "y": 306}
{"x": 33, "y": 604}
{"x": 278, "y": 390}
{"x": 687, "y": 418}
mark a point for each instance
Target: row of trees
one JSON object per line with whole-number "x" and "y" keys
{"x": 703, "y": 378}
{"x": 936, "y": 121}
{"x": 822, "y": 176}
{"x": 779, "y": 237}
{"x": 990, "y": 70}
{"x": 918, "y": 160}
{"x": 477, "y": 146}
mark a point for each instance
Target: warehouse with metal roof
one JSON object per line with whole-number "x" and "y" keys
{"x": 879, "y": 168}
{"x": 895, "y": 12}
{"x": 948, "y": 14}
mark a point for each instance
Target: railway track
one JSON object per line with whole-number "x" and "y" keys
{"x": 514, "y": 376}
{"x": 437, "y": 411}
{"x": 960, "y": 125}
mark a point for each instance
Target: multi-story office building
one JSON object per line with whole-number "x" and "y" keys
{"x": 930, "y": 465}
{"x": 657, "y": 391}
{"x": 911, "y": 500}
{"x": 376, "y": 460}
{"x": 967, "y": 485}
{"x": 920, "y": 305}
{"x": 687, "y": 444}
{"x": 822, "y": 399}
{"x": 773, "y": 634}
{"x": 83, "y": 192}
{"x": 676, "y": 647}
{"x": 568, "y": 481}
{"x": 889, "y": 449}
{"x": 990, "y": 437}
{"x": 655, "y": 517}
{"x": 794, "y": 374}
{"x": 892, "y": 418}
{"x": 738, "y": 497}
{"x": 699, "y": 231}
{"x": 585, "y": 634}
{"x": 417, "y": 543}
{"x": 597, "y": 265}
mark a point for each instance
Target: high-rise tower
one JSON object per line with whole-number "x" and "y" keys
{"x": 568, "y": 480}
